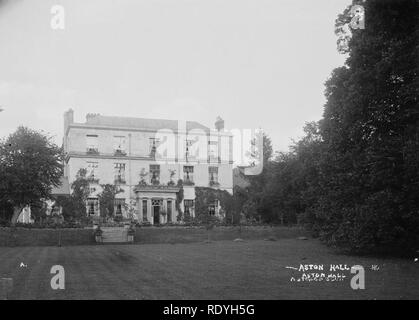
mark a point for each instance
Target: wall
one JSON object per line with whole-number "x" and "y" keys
{"x": 11, "y": 237}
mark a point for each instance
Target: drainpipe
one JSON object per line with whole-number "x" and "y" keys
{"x": 129, "y": 167}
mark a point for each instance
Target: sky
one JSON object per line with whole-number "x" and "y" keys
{"x": 255, "y": 63}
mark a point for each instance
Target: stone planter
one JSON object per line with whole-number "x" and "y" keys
{"x": 131, "y": 238}
{"x": 98, "y": 238}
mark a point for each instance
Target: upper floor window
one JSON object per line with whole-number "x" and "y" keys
{"x": 154, "y": 173}
{"x": 119, "y": 145}
{"x": 153, "y": 144}
{"x": 212, "y": 150}
{"x": 188, "y": 175}
{"x": 119, "y": 172}
{"x": 92, "y": 206}
{"x": 92, "y": 143}
{"x": 189, "y": 206}
{"x": 213, "y": 176}
{"x": 92, "y": 168}
{"x": 188, "y": 149}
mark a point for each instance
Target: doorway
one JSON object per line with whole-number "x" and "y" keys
{"x": 156, "y": 204}
{"x": 156, "y": 214}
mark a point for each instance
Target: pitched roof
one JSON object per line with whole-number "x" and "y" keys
{"x": 141, "y": 123}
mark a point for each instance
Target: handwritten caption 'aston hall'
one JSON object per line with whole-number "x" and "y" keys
{"x": 321, "y": 272}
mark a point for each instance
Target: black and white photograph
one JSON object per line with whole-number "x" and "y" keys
{"x": 209, "y": 154}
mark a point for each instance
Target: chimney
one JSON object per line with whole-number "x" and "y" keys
{"x": 91, "y": 116}
{"x": 68, "y": 119}
{"x": 219, "y": 124}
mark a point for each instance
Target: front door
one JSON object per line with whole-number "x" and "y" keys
{"x": 156, "y": 214}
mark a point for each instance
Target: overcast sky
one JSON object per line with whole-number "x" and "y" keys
{"x": 258, "y": 63}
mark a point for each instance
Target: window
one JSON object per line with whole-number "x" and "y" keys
{"x": 213, "y": 176}
{"x": 144, "y": 210}
{"x": 188, "y": 149}
{"x": 188, "y": 174}
{"x": 120, "y": 173}
{"x": 212, "y": 150}
{"x": 189, "y": 207}
{"x": 92, "y": 206}
{"x": 154, "y": 174}
{"x": 119, "y": 206}
{"x": 169, "y": 210}
{"x": 119, "y": 145}
{"x": 212, "y": 208}
{"x": 92, "y": 143}
{"x": 154, "y": 143}
{"x": 156, "y": 202}
{"x": 92, "y": 168}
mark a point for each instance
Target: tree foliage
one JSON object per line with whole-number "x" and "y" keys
{"x": 80, "y": 190}
{"x": 30, "y": 165}
{"x": 353, "y": 178}
{"x": 369, "y": 170}
{"x": 107, "y": 199}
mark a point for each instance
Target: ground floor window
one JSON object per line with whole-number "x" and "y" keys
{"x": 189, "y": 206}
{"x": 212, "y": 208}
{"x": 119, "y": 206}
{"x": 169, "y": 210}
{"x": 144, "y": 210}
{"x": 93, "y": 206}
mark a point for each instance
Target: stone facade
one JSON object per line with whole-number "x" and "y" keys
{"x": 126, "y": 151}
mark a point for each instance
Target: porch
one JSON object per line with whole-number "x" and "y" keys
{"x": 156, "y": 204}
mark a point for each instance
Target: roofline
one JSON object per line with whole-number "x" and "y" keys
{"x": 118, "y": 128}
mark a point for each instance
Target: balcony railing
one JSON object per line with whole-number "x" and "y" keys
{"x": 92, "y": 151}
{"x": 188, "y": 182}
{"x": 93, "y": 179}
{"x": 155, "y": 181}
{"x": 119, "y": 152}
{"x": 119, "y": 181}
{"x": 214, "y": 183}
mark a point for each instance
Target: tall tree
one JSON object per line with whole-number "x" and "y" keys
{"x": 370, "y": 167}
{"x": 30, "y": 164}
{"x": 80, "y": 190}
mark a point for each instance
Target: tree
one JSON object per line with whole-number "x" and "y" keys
{"x": 258, "y": 183}
{"x": 107, "y": 199}
{"x": 30, "y": 165}
{"x": 369, "y": 170}
{"x": 80, "y": 189}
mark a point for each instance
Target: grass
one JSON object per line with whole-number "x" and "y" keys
{"x": 253, "y": 269}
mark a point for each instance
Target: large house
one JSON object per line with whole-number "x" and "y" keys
{"x": 146, "y": 158}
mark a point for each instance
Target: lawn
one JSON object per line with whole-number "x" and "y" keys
{"x": 253, "y": 269}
